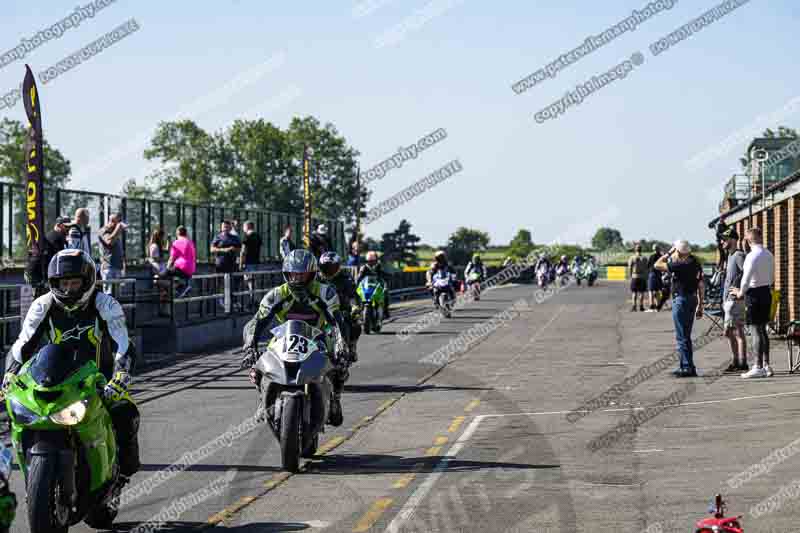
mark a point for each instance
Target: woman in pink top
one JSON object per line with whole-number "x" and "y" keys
{"x": 182, "y": 256}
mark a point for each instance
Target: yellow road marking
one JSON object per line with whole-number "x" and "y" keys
{"x": 372, "y": 516}
{"x": 330, "y": 445}
{"x": 387, "y": 404}
{"x": 440, "y": 441}
{"x": 472, "y": 405}
{"x": 277, "y": 479}
{"x": 404, "y": 481}
{"x": 231, "y": 509}
{"x": 434, "y": 450}
{"x": 457, "y": 421}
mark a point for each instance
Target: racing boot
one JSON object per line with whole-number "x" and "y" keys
{"x": 335, "y": 417}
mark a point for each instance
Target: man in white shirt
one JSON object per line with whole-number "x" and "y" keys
{"x": 755, "y": 288}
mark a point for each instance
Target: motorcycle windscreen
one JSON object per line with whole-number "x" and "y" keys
{"x": 50, "y": 367}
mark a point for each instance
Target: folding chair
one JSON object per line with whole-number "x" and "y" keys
{"x": 712, "y": 304}
{"x": 793, "y": 345}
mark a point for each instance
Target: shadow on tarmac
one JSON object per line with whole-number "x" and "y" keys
{"x": 379, "y": 388}
{"x": 356, "y": 464}
{"x": 184, "y": 527}
{"x": 212, "y": 468}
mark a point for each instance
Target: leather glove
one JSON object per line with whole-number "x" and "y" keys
{"x": 8, "y": 379}
{"x": 116, "y": 389}
{"x": 250, "y": 357}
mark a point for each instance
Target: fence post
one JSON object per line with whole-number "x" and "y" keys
{"x": 228, "y": 295}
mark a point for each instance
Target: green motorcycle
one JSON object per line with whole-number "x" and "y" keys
{"x": 370, "y": 295}
{"x": 64, "y": 442}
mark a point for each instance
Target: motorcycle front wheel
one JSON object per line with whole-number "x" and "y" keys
{"x": 45, "y": 513}
{"x": 290, "y": 433}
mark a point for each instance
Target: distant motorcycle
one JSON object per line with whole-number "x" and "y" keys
{"x": 562, "y": 275}
{"x": 371, "y": 293}
{"x": 474, "y": 283}
{"x": 543, "y": 276}
{"x": 577, "y": 272}
{"x": 590, "y": 273}
{"x": 442, "y": 286}
{"x": 292, "y": 379}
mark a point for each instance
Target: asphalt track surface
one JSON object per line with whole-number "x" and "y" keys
{"x": 482, "y": 444}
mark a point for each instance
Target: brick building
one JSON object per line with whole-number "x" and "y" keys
{"x": 776, "y": 212}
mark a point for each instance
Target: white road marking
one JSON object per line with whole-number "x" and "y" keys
{"x": 318, "y": 524}
{"x": 647, "y": 451}
{"x": 418, "y": 495}
{"x": 685, "y": 404}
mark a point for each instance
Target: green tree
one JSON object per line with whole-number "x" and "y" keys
{"x": 606, "y": 238}
{"x": 400, "y": 246}
{"x": 463, "y": 243}
{"x": 57, "y": 169}
{"x": 521, "y": 245}
{"x": 190, "y": 159}
{"x": 333, "y": 169}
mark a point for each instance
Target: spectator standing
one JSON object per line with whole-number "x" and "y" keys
{"x": 235, "y": 228}
{"x": 687, "y": 300}
{"x": 112, "y": 256}
{"x": 637, "y": 268}
{"x": 733, "y": 308}
{"x": 354, "y": 257}
{"x": 319, "y": 241}
{"x": 226, "y": 246}
{"x": 286, "y": 244}
{"x": 55, "y": 240}
{"x": 250, "y": 257}
{"x": 654, "y": 284}
{"x": 757, "y": 277}
{"x": 155, "y": 251}
{"x": 79, "y": 235}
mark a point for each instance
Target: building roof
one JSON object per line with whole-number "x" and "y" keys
{"x": 776, "y": 187}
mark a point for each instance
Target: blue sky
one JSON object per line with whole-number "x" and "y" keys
{"x": 618, "y": 159}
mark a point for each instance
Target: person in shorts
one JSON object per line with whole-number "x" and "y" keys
{"x": 654, "y": 284}
{"x": 732, "y": 307}
{"x": 637, "y": 268}
{"x": 755, "y": 289}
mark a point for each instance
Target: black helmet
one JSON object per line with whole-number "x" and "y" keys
{"x": 299, "y": 270}
{"x": 329, "y": 264}
{"x": 71, "y": 264}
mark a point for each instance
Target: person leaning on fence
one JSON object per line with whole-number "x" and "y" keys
{"x": 155, "y": 251}
{"x": 757, "y": 277}
{"x": 732, "y": 307}
{"x": 112, "y": 251}
{"x": 286, "y": 244}
{"x": 182, "y": 259}
{"x": 687, "y": 300}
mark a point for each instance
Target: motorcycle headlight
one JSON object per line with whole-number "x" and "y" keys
{"x": 22, "y": 415}
{"x": 71, "y": 415}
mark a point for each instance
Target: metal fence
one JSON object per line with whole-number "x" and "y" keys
{"x": 143, "y": 217}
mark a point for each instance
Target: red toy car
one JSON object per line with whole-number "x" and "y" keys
{"x": 719, "y": 523}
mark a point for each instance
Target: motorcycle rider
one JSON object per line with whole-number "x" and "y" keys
{"x": 543, "y": 266}
{"x": 439, "y": 267}
{"x": 303, "y": 297}
{"x": 78, "y": 319}
{"x": 577, "y": 268}
{"x": 330, "y": 270}
{"x": 475, "y": 266}
{"x": 373, "y": 268}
